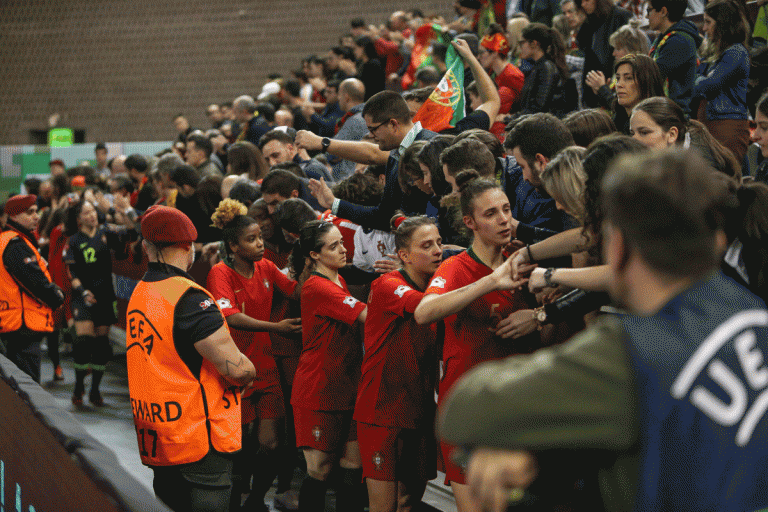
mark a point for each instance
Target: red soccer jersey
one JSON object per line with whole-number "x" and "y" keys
{"x": 468, "y": 340}
{"x": 347, "y": 229}
{"x": 512, "y": 78}
{"x": 397, "y": 386}
{"x": 280, "y": 259}
{"x": 253, "y": 297}
{"x": 329, "y": 365}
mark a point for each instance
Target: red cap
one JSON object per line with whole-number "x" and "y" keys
{"x": 165, "y": 225}
{"x": 19, "y": 204}
{"x": 78, "y": 181}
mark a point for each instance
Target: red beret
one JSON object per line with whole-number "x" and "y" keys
{"x": 165, "y": 225}
{"x": 19, "y": 204}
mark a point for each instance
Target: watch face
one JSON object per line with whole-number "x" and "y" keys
{"x": 541, "y": 315}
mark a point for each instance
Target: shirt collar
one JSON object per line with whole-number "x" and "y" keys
{"x": 409, "y": 138}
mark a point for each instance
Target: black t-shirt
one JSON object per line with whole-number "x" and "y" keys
{"x": 477, "y": 119}
{"x": 90, "y": 260}
{"x": 195, "y": 317}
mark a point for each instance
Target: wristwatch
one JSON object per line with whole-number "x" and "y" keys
{"x": 540, "y": 317}
{"x": 548, "y": 277}
{"x": 324, "y": 144}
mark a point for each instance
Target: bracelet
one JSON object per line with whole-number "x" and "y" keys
{"x": 530, "y": 256}
{"x": 335, "y": 206}
{"x": 548, "y": 277}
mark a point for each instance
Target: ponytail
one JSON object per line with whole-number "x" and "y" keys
{"x": 310, "y": 240}
{"x": 404, "y": 228}
{"x": 551, "y": 43}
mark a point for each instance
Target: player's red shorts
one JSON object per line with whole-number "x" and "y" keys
{"x": 287, "y": 365}
{"x": 264, "y": 405}
{"x": 397, "y": 454}
{"x": 327, "y": 431}
{"x": 453, "y": 473}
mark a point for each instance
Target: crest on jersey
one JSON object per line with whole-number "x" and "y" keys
{"x": 317, "y": 433}
{"x": 206, "y": 304}
{"x": 266, "y": 284}
{"x": 350, "y": 301}
{"x": 401, "y": 290}
{"x": 438, "y": 282}
{"x": 378, "y": 460}
{"x": 224, "y": 303}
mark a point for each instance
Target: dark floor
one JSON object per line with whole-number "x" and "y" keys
{"x": 113, "y": 426}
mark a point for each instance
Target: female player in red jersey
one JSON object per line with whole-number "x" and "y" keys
{"x": 243, "y": 285}
{"x": 326, "y": 380}
{"x": 475, "y": 293}
{"x": 395, "y": 407}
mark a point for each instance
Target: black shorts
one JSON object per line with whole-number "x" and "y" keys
{"x": 101, "y": 313}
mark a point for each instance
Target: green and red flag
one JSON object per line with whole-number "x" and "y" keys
{"x": 486, "y": 17}
{"x": 445, "y": 106}
{"x": 420, "y": 55}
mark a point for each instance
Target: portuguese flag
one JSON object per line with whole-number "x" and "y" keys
{"x": 445, "y": 106}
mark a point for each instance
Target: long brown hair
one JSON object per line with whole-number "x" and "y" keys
{"x": 731, "y": 26}
{"x": 245, "y": 158}
{"x": 551, "y": 42}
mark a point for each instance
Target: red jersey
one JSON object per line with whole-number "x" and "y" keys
{"x": 468, "y": 340}
{"x": 285, "y": 345}
{"x": 253, "y": 297}
{"x": 347, "y": 229}
{"x": 282, "y": 308}
{"x": 280, "y": 259}
{"x": 329, "y": 365}
{"x": 397, "y": 386}
{"x": 512, "y": 78}
{"x": 56, "y": 267}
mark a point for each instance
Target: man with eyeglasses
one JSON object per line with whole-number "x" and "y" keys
{"x": 388, "y": 119}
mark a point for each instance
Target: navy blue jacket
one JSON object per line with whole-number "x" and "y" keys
{"x": 378, "y": 217}
{"x": 675, "y": 52}
{"x": 724, "y": 84}
{"x": 700, "y": 380}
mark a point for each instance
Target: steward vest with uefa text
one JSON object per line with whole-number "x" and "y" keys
{"x": 701, "y": 368}
{"x": 17, "y": 307}
{"x": 178, "y": 417}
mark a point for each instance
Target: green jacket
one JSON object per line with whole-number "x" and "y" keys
{"x": 577, "y": 396}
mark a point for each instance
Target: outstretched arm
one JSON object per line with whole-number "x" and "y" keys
{"x": 434, "y": 307}
{"x": 355, "y": 151}
{"x": 486, "y": 88}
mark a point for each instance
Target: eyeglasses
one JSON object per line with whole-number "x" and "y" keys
{"x": 373, "y": 129}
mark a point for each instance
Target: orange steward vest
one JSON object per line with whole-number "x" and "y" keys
{"x": 178, "y": 417}
{"x": 17, "y": 307}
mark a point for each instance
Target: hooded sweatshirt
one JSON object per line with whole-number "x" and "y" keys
{"x": 675, "y": 52}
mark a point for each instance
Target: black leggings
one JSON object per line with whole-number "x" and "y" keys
{"x": 203, "y": 486}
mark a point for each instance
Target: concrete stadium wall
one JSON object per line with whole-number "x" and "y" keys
{"x": 121, "y": 69}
